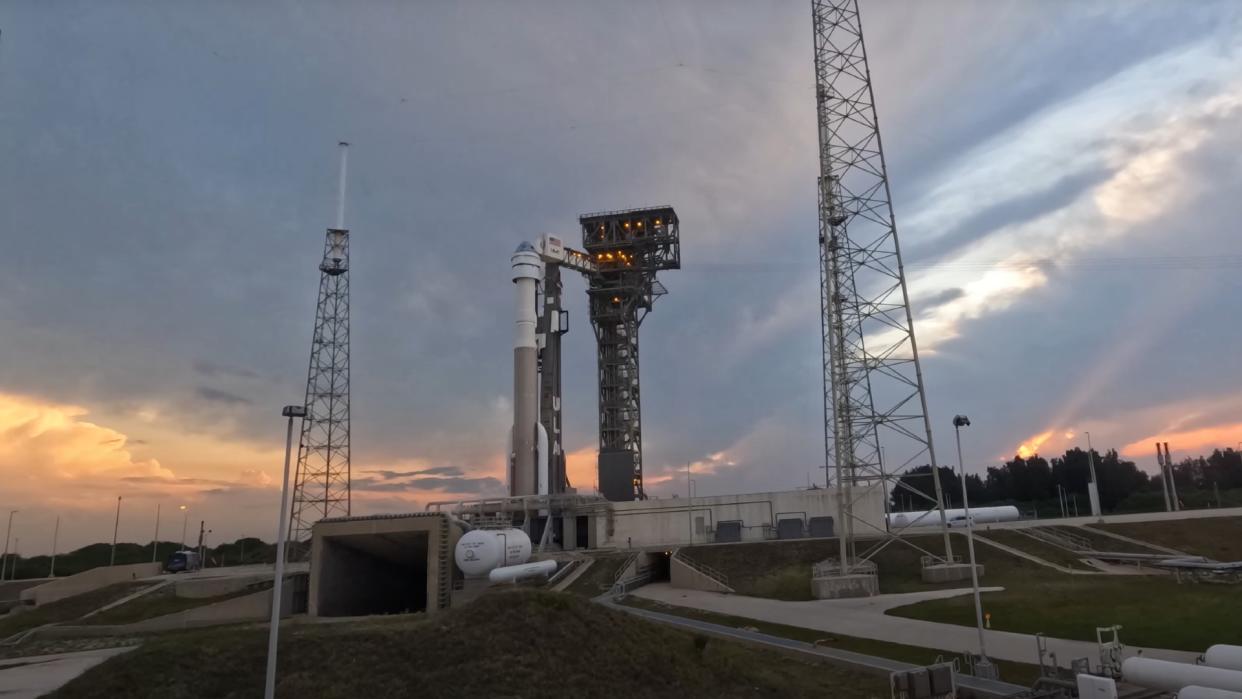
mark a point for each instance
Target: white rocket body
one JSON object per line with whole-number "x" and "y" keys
{"x": 528, "y": 473}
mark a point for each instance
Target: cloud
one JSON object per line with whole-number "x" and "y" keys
{"x": 212, "y": 370}
{"x": 216, "y": 395}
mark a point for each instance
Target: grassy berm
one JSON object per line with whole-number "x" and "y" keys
{"x": 523, "y": 643}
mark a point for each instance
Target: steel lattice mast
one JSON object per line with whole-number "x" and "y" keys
{"x": 322, "y": 481}
{"x": 875, "y": 408}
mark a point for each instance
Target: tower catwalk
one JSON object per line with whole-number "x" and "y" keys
{"x": 321, "y": 483}
{"x": 873, "y": 384}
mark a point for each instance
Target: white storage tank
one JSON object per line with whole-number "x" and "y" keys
{"x": 1171, "y": 677}
{"x": 1221, "y": 655}
{"x": 481, "y": 550}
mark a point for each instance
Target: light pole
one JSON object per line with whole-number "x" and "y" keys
{"x": 1093, "y": 488}
{"x": 4, "y": 562}
{"x": 273, "y": 629}
{"x": 116, "y": 526}
{"x": 51, "y": 573}
{"x": 155, "y": 542}
{"x": 959, "y": 422}
{"x": 184, "y": 521}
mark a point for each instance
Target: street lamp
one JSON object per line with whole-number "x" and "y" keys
{"x": 960, "y": 421}
{"x": 1093, "y": 489}
{"x": 273, "y": 632}
{"x": 4, "y": 562}
{"x": 184, "y": 521}
{"x": 115, "y": 528}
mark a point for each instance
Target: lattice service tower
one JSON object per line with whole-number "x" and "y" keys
{"x": 873, "y": 385}
{"x": 629, "y": 248}
{"x": 321, "y": 484}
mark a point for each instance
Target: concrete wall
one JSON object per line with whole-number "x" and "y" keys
{"x": 88, "y": 580}
{"x": 198, "y": 588}
{"x": 678, "y": 521}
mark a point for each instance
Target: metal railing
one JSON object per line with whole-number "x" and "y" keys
{"x": 1061, "y": 539}
{"x": 703, "y": 568}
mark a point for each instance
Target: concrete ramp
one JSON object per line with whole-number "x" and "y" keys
{"x": 689, "y": 574}
{"x": 86, "y": 581}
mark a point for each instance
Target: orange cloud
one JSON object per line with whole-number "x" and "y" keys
{"x": 1031, "y": 446}
{"x": 580, "y": 466}
{"x": 1193, "y": 442}
{"x": 46, "y": 442}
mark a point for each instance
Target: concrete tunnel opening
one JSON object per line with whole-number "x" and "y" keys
{"x": 381, "y": 565}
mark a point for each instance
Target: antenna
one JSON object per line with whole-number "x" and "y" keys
{"x": 340, "y": 195}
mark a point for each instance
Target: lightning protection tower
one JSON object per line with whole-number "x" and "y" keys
{"x": 873, "y": 385}
{"x": 628, "y": 248}
{"x": 321, "y": 484}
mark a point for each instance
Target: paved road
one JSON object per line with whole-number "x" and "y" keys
{"x": 866, "y": 663}
{"x": 27, "y": 678}
{"x": 864, "y": 618}
{"x": 234, "y": 572}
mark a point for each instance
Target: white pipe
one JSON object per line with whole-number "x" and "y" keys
{"x": 521, "y": 572}
{"x": 1224, "y": 656}
{"x": 1171, "y": 677}
{"x": 929, "y": 518}
{"x": 340, "y": 194}
{"x": 1197, "y": 692}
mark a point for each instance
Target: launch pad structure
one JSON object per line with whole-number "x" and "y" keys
{"x": 623, "y": 252}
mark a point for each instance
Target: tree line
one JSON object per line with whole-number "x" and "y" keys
{"x": 1034, "y": 481}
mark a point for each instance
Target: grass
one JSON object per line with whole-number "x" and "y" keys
{"x": 66, "y": 609}
{"x": 1104, "y": 542}
{"x": 1218, "y": 538}
{"x": 1154, "y": 611}
{"x": 163, "y": 602}
{"x": 782, "y": 569}
{"x": 1035, "y": 547}
{"x": 598, "y": 578}
{"x": 519, "y": 643}
{"x": 1017, "y": 673}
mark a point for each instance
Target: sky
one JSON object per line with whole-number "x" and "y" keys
{"x": 1064, "y": 176}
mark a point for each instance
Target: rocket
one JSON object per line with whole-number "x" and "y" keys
{"x": 528, "y": 462}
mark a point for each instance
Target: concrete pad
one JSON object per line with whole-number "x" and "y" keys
{"x": 949, "y": 572}
{"x": 845, "y": 586}
{"x": 864, "y": 617}
{"x": 27, "y": 678}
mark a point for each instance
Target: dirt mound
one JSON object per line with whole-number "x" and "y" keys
{"x": 524, "y": 643}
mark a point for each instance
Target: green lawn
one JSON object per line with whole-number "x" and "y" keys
{"x": 1017, "y": 673}
{"x": 1219, "y": 538}
{"x": 519, "y": 643}
{"x": 1035, "y": 547}
{"x": 66, "y": 609}
{"x": 782, "y": 569}
{"x": 1154, "y": 611}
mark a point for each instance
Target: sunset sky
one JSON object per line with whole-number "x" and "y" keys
{"x": 1065, "y": 177}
